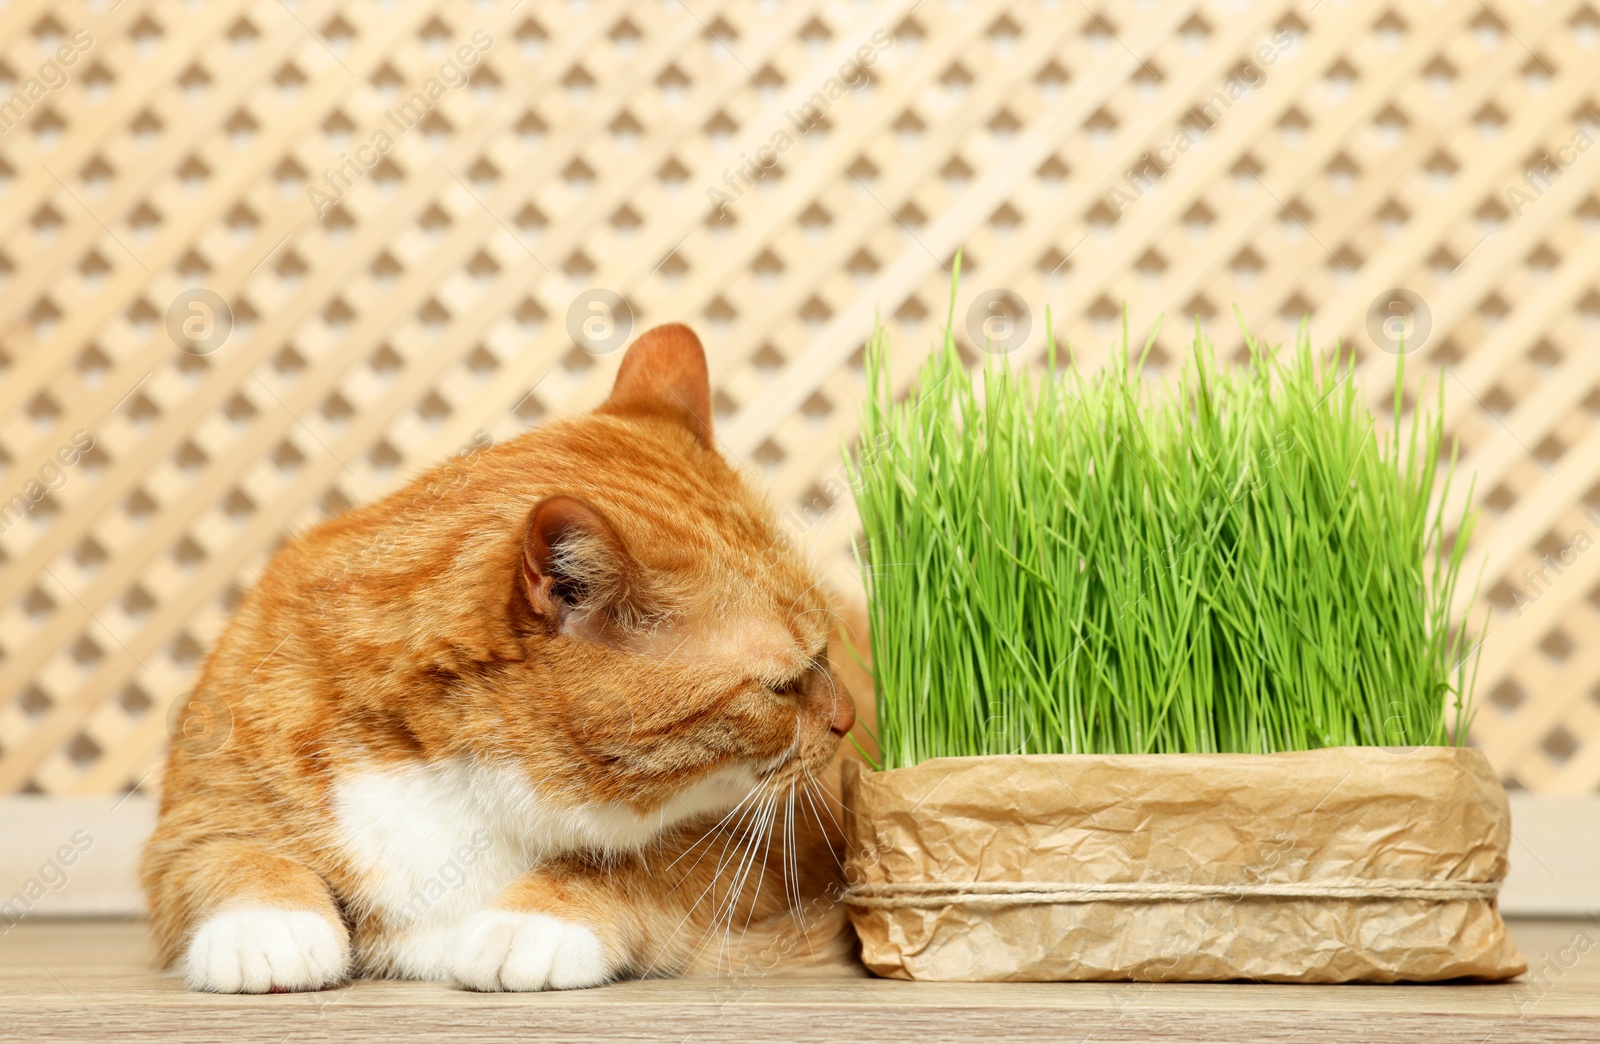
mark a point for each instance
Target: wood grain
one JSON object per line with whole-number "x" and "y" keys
{"x": 84, "y": 980}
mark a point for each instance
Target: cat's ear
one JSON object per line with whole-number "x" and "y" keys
{"x": 576, "y": 572}
{"x": 664, "y": 373}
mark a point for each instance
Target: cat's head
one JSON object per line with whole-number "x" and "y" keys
{"x": 688, "y": 639}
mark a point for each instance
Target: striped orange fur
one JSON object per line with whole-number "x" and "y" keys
{"x": 555, "y": 713}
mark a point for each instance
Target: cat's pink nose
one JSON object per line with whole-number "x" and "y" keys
{"x": 844, "y": 714}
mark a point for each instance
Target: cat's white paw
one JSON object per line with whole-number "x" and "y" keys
{"x": 501, "y": 950}
{"x": 265, "y": 951}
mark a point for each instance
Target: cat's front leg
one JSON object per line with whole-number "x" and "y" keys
{"x": 548, "y": 931}
{"x": 243, "y": 918}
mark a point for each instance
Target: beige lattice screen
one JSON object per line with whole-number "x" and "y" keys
{"x": 776, "y": 174}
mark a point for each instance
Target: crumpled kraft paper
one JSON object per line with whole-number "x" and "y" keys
{"x": 1238, "y": 820}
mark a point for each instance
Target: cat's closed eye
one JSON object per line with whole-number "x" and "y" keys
{"x": 791, "y": 686}
{"x": 795, "y": 686}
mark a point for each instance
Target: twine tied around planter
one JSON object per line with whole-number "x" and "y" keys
{"x": 1032, "y": 893}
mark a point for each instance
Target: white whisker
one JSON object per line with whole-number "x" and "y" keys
{"x": 766, "y": 849}
{"x": 716, "y": 876}
{"x": 753, "y": 792}
{"x": 742, "y": 874}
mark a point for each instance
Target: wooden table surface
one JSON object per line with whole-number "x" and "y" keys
{"x": 92, "y": 981}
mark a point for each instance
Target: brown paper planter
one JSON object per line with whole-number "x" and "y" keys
{"x": 1352, "y": 864}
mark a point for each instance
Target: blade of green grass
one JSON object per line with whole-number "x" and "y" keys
{"x": 1231, "y": 561}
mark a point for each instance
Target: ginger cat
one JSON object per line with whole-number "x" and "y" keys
{"x": 547, "y": 719}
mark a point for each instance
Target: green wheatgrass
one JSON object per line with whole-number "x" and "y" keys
{"x": 1234, "y": 562}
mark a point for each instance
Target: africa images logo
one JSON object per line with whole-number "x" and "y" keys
{"x": 353, "y": 166}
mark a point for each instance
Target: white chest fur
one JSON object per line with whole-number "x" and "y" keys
{"x": 438, "y": 842}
